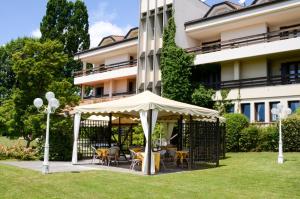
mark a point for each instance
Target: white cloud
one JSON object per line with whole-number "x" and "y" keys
{"x": 101, "y": 29}
{"x": 242, "y": 1}
{"x": 102, "y": 25}
{"x": 103, "y": 13}
{"x": 36, "y": 33}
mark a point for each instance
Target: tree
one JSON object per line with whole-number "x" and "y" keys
{"x": 67, "y": 22}
{"x": 223, "y": 104}
{"x": 38, "y": 68}
{"x": 175, "y": 67}
{"x": 7, "y": 77}
{"x": 203, "y": 97}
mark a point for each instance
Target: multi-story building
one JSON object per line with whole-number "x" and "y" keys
{"x": 109, "y": 70}
{"x": 251, "y": 50}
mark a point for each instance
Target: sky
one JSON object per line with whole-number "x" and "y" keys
{"x": 20, "y": 18}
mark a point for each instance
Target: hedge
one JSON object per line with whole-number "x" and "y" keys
{"x": 235, "y": 123}
{"x": 244, "y": 138}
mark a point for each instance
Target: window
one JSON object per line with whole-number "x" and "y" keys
{"x": 294, "y": 105}
{"x": 246, "y": 110}
{"x": 290, "y": 72}
{"x": 260, "y": 112}
{"x": 99, "y": 91}
{"x": 273, "y": 117}
{"x": 150, "y": 58}
{"x": 230, "y": 109}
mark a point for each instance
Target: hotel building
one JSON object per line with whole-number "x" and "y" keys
{"x": 252, "y": 50}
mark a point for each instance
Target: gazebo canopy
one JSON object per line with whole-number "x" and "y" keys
{"x": 149, "y": 108}
{"x": 131, "y": 106}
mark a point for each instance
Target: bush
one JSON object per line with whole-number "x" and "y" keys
{"x": 17, "y": 151}
{"x": 291, "y": 133}
{"x": 235, "y": 123}
{"x": 249, "y": 138}
{"x": 268, "y": 139}
{"x": 60, "y": 140}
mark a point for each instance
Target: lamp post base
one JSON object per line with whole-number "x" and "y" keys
{"x": 45, "y": 169}
{"x": 280, "y": 160}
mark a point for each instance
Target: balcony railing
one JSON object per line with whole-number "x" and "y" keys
{"x": 255, "y": 82}
{"x": 114, "y": 95}
{"x": 287, "y": 33}
{"x": 106, "y": 68}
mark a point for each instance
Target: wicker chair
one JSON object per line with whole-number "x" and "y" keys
{"x": 134, "y": 160}
{"x": 113, "y": 155}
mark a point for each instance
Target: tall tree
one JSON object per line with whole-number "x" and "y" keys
{"x": 7, "y": 77}
{"x": 67, "y": 22}
{"x": 175, "y": 67}
{"x": 38, "y": 68}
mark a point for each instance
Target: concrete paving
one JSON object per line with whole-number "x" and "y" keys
{"x": 56, "y": 167}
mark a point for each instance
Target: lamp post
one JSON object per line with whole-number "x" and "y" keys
{"x": 281, "y": 112}
{"x": 53, "y": 104}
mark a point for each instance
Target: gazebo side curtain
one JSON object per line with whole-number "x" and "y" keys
{"x": 76, "y": 135}
{"x": 168, "y": 130}
{"x": 145, "y": 125}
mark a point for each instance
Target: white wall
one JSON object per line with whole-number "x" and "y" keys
{"x": 227, "y": 71}
{"x": 184, "y": 12}
{"x": 249, "y": 51}
{"x": 244, "y": 32}
{"x": 120, "y": 86}
{"x": 253, "y": 68}
{"x": 117, "y": 59}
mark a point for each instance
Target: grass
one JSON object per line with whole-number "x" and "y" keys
{"x": 241, "y": 175}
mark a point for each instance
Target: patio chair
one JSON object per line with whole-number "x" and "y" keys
{"x": 135, "y": 161}
{"x": 95, "y": 155}
{"x": 113, "y": 155}
{"x": 162, "y": 158}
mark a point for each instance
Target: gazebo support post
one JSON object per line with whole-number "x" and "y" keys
{"x": 110, "y": 129}
{"x": 191, "y": 148}
{"x": 218, "y": 142}
{"x": 180, "y": 129}
{"x": 119, "y": 134}
{"x": 149, "y": 141}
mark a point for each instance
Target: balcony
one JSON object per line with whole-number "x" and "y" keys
{"x": 256, "y": 82}
{"x": 105, "y": 98}
{"x": 261, "y": 44}
{"x": 102, "y": 73}
{"x": 106, "y": 68}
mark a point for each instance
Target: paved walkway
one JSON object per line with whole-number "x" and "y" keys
{"x": 56, "y": 167}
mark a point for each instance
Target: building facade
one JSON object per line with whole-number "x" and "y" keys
{"x": 109, "y": 70}
{"x": 254, "y": 51}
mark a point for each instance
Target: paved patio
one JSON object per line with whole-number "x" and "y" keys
{"x": 57, "y": 167}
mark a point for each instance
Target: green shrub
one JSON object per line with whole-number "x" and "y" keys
{"x": 60, "y": 140}
{"x": 291, "y": 133}
{"x": 235, "y": 123}
{"x": 17, "y": 151}
{"x": 249, "y": 138}
{"x": 268, "y": 139}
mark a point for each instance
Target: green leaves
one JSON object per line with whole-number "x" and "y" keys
{"x": 203, "y": 97}
{"x": 175, "y": 67}
{"x": 67, "y": 22}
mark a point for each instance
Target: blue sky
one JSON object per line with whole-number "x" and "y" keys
{"x": 20, "y": 18}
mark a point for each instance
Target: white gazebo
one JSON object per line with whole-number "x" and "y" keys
{"x": 149, "y": 108}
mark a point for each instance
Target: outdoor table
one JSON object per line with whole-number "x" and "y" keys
{"x": 137, "y": 149}
{"x": 181, "y": 155}
{"x": 103, "y": 154}
{"x": 156, "y": 160}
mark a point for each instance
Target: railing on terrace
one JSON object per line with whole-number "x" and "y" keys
{"x": 106, "y": 68}
{"x": 255, "y": 82}
{"x": 114, "y": 95}
{"x": 287, "y": 33}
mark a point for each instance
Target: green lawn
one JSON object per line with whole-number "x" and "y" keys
{"x": 241, "y": 175}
